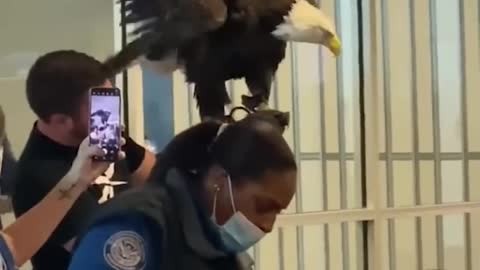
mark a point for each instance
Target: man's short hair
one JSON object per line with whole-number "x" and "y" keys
{"x": 58, "y": 81}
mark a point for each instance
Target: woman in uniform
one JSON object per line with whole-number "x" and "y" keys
{"x": 216, "y": 191}
{"x": 20, "y": 240}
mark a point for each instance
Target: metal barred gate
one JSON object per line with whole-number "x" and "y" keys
{"x": 406, "y": 195}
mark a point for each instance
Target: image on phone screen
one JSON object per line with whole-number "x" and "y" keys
{"x": 105, "y": 124}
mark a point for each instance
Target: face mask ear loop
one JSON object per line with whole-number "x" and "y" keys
{"x": 231, "y": 194}
{"x": 215, "y": 196}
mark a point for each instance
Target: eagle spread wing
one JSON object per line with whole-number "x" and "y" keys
{"x": 219, "y": 40}
{"x": 165, "y": 25}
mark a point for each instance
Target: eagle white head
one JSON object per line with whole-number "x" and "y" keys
{"x": 307, "y": 23}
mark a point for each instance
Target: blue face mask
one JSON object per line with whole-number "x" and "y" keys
{"x": 238, "y": 234}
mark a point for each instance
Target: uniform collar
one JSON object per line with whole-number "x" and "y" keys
{"x": 194, "y": 229}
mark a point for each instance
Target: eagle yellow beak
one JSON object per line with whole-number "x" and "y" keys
{"x": 335, "y": 45}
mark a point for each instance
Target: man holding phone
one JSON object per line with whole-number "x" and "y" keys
{"x": 58, "y": 91}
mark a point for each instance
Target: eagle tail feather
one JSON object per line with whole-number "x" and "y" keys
{"x": 123, "y": 59}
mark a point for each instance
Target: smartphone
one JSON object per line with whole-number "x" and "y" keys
{"x": 105, "y": 121}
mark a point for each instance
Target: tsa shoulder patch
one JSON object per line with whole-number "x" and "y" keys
{"x": 125, "y": 250}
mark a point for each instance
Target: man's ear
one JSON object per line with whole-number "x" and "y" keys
{"x": 60, "y": 119}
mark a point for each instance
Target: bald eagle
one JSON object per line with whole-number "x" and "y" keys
{"x": 213, "y": 41}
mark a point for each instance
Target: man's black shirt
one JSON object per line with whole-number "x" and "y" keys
{"x": 41, "y": 166}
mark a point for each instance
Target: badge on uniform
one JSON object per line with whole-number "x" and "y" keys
{"x": 125, "y": 250}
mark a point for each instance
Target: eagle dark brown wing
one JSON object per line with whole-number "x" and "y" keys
{"x": 161, "y": 15}
{"x": 166, "y": 24}
{"x": 260, "y": 8}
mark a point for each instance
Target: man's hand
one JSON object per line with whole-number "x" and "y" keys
{"x": 84, "y": 169}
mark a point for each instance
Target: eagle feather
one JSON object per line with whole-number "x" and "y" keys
{"x": 218, "y": 40}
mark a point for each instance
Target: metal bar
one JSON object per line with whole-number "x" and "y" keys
{"x": 387, "y": 104}
{"x": 388, "y": 132}
{"x": 478, "y": 24}
{"x": 322, "y": 155}
{"x": 296, "y": 147}
{"x": 231, "y": 93}
{"x": 256, "y": 256}
{"x": 362, "y": 233}
{"x": 341, "y": 119}
{"x": 465, "y": 161}
{"x": 126, "y": 109}
{"x": 431, "y": 210}
{"x": 374, "y": 183}
{"x": 328, "y": 217}
{"x": 433, "y": 156}
{"x": 275, "y": 90}
{"x": 406, "y": 156}
{"x": 361, "y": 103}
{"x": 436, "y": 130}
{"x": 341, "y": 142}
{"x": 190, "y": 89}
{"x": 415, "y": 136}
{"x": 357, "y": 215}
{"x": 281, "y": 249}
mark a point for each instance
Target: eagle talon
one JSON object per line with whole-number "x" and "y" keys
{"x": 263, "y": 107}
{"x": 254, "y": 103}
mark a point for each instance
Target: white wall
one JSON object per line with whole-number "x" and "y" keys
{"x": 31, "y": 28}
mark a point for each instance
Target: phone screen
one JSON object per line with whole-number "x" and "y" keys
{"x": 105, "y": 122}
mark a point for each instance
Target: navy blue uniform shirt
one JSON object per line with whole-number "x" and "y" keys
{"x": 124, "y": 242}
{"x": 6, "y": 259}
